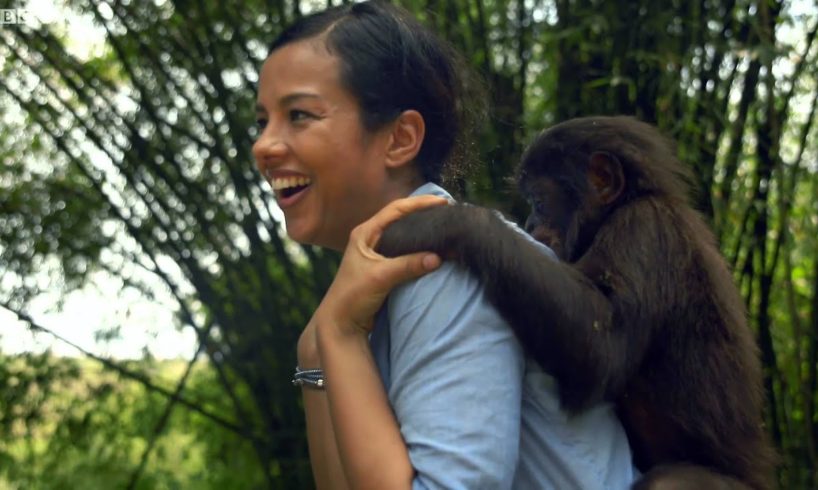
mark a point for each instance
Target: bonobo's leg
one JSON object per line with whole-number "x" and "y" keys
{"x": 686, "y": 477}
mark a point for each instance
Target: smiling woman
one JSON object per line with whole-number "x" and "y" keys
{"x": 358, "y": 107}
{"x": 322, "y": 163}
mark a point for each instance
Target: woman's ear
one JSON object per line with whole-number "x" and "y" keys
{"x": 406, "y": 138}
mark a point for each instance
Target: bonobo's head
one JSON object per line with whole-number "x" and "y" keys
{"x": 575, "y": 174}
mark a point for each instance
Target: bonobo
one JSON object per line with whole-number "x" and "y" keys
{"x": 640, "y": 309}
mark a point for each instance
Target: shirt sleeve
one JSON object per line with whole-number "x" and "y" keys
{"x": 456, "y": 372}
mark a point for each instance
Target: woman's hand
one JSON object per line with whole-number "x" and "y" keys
{"x": 365, "y": 278}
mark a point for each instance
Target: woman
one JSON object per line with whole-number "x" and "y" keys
{"x": 359, "y": 106}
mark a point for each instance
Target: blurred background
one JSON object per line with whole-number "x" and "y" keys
{"x": 150, "y": 303}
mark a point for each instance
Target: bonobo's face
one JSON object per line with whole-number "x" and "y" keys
{"x": 570, "y": 192}
{"x": 553, "y": 211}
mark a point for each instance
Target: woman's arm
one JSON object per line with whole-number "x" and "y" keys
{"x": 370, "y": 444}
{"x": 324, "y": 458}
{"x": 355, "y": 406}
{"x": 353, "y": 436}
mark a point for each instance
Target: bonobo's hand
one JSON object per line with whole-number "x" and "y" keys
{"x": 442, "y": 230}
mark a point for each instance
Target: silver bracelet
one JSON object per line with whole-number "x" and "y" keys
{"x": 312, "y": 378}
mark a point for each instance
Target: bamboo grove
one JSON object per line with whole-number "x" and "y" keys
{"x": 131, "y": 161}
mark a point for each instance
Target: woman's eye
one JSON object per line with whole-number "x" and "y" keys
{"x": 297, "y": 115}
{"x": 261, "y": 123}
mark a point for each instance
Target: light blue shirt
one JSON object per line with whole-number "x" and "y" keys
{"x": 474, "y": 411}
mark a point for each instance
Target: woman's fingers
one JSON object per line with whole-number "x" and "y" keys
{"x": 365, "y": 278}
{"x": 407, "y": 267}
{"x": 386, "y": 273}
{"x": 363, "y": 283}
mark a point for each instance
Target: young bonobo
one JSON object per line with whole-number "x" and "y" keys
{"x": 640, "y": 309}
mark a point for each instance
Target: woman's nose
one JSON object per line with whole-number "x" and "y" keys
{"x": 268, "y": 148}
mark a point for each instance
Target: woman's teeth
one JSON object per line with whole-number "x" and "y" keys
{"x": 288, "y": 182}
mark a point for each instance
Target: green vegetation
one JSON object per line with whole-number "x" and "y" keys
{"x": 132, "y": 161}
{"x": 70, "y": 423}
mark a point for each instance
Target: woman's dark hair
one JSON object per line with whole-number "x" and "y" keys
{"x": 392, "y": 63}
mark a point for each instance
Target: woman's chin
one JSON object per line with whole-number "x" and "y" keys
{"x": 298, "y": 233}
{"x": 306, "y": 236}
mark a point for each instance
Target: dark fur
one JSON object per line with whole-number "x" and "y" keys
{"x": 642, "y": 310}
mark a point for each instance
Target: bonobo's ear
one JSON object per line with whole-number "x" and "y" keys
{"x": 605, "y": 176}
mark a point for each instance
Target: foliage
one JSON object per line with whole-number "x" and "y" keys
{"x": 134, "y": 160}
{"x": 60, "y": 441}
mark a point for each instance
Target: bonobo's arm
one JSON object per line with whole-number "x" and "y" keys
{"x": 563, "y": 320}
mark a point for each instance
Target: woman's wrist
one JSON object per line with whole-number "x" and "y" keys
{"x": 307, "y": 349}
{"x": 334, "y": 340}
{"x": 330, "y": 332}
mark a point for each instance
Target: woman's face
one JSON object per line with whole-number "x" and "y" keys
{"x": 328, "y": 173}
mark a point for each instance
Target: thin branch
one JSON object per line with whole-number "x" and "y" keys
{"x": 163, "y": 420}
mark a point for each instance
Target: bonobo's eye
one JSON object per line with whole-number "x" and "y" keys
{"x": 539, "y": 205}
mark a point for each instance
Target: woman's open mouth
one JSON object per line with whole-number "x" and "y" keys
{"x": 289, "y": 190}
